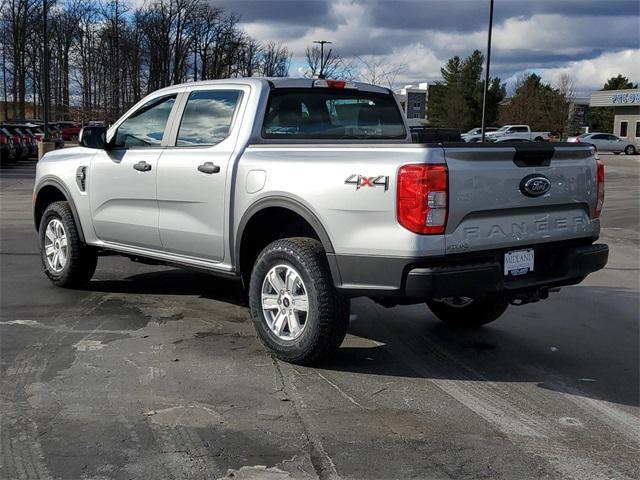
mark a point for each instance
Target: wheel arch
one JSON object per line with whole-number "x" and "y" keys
{"x": 50, "y": 190}
{"x": 283, "y": 206}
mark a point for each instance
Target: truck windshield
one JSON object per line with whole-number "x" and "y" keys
{"x": 332, "y": 114}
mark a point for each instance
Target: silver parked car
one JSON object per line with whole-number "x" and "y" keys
{"x": 606, "y": 142}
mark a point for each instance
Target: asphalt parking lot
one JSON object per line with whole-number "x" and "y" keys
{"x": 153, "y": 372}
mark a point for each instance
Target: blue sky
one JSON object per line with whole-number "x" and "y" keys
{"x": 590, "y": 40}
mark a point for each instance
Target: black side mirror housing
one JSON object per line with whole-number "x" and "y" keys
{"x": 93, "y": 137}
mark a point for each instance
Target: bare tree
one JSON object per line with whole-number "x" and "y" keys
{"x": 378, "y": 70}
{"x": 106, "y": 56}
{"x": 560, "y": 113}
{"x": 275, "y": 60}
{"x": 334, "y": 65}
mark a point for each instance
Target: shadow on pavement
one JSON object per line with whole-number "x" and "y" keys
{"x": 517, "y": 348}
{"x": 591, "y": 353}
{"x": 175, "y": 282}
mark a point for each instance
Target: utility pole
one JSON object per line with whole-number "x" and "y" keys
{"x": 322, "y": 43}
{"x": 486, "y": 75}
{"x": 45, "y": 70}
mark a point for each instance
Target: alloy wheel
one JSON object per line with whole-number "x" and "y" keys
{"x": 55, "y": 245}
{"x": 285, "y": 303}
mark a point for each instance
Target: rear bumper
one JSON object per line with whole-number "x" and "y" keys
{"x": 561, "y": 264}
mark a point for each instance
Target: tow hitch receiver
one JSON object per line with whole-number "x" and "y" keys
{"x": 531, "y": 296}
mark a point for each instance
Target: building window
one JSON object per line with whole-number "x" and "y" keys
{"x": 417, "y": 115}
{"x": 637, "y": 129}
{"x": 623, "y": 129}
{"x": 416, "y": 105}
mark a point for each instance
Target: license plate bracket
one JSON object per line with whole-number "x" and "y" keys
{"x": 518, "y": 262}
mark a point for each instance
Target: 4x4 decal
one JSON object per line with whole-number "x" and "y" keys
{"x": 361, "y": 181}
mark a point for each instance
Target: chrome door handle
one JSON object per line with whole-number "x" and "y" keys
{"x": 209, "y": 168}
{"x": 142, "y": 166}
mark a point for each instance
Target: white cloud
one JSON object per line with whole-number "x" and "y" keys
{"x": 555, "y": 33}
{"x": 592, "y": 74}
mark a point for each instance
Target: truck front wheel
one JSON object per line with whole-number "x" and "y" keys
{"x": 65, "y": 259}
{"x": 469, "y": 312}
{"x": 295, "y": 308}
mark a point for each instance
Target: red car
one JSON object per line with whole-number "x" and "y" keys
{"x": 69, "y": 130}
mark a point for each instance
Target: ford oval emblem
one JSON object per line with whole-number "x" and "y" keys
{"x": 535, "y": 185}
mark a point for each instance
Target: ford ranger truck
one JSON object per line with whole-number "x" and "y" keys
{"x": 310, "y": 192}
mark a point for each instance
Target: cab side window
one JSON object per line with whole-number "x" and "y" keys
{"x": 207, "y": 117}
{"x": 145, "y": 127}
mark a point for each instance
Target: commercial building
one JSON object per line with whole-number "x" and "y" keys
{"x": 626, "y": 110}
{"x": 414, "y": 99}
{"x": 578, "y": 110}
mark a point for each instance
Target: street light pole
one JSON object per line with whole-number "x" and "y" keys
{"x": 486, "y": 75}
{"x": 45, "y": 70}
{"x": 321, "y": 42}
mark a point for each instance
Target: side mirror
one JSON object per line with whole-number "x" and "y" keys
{"x": 93, "y": 137}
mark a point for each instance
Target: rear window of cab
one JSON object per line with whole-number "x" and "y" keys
{"x": 332, "y": 114}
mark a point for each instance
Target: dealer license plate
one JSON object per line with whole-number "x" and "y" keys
{"x": 518, "y": 262}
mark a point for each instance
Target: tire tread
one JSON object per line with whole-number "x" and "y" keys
{"x": 82, "y": 260}
{"x": 332, "y": 309}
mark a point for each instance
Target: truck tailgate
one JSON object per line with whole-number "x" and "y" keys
{"x": 490, "y": 206}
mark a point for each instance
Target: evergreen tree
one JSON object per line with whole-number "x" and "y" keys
{"x": 456, "y": 101}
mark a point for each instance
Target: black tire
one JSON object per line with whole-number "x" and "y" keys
{"x": 616, "y": 153}
{"x": 476, "y": 313}
{"x": 630, "y": 150}
{"x": 539, "y": 139}
{"x": 327, "y": 318}
{"x": 81, "y": 260}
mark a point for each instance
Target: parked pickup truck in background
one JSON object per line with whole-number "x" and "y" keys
{"x": 517, "y": 131}
{"x": 310, "y": 192}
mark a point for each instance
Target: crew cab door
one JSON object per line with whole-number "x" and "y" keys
{"x": 122, "y": 178}
{"x": 193, "y": 172}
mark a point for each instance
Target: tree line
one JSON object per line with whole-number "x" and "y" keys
{"x": 105, "y": 56}
{"x": 456, "y": 101}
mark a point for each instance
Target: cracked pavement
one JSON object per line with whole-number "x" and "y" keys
{"x": 154, "y": 372}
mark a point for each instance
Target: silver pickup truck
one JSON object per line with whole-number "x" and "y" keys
{"x": 311, "y": 192}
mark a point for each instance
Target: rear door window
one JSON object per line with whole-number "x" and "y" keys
{"x": 207, "y": 117}
{"x": 332, "y": 114}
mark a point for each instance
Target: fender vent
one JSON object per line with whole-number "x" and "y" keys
{"x": 81, "y": 178}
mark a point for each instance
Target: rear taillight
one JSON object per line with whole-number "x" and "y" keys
{"x": 423, "y": 198}
{"x": 600, "y": 188}
{"x": 577, "y": 139}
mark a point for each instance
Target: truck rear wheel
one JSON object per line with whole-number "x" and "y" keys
{"x": 296, "y": 310}
{"x": 65, "y": 259}
{"x": 469, "y": 312}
